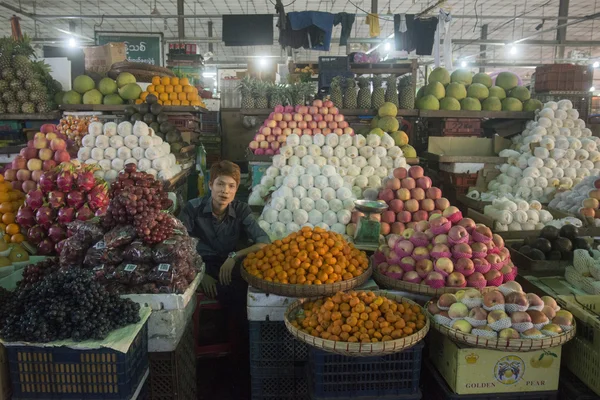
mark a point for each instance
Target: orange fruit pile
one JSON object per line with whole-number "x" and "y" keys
{"x": 359, "y": 317}
{"x": 10, "y": 201}
{"x": 307, "y": 257}
{"x": 172, "y": 91}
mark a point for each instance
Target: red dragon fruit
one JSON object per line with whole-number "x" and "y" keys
{"x": 98, "y": 197}
{"x": 65, "y": 180}
{"x": 26, "y": 217}
{"x": 86, "y": 180}
{"x": 48, "y": 181}
{"x": 84, "y": 213}
{"x": 56, "y": 199}
{"x": 75, "y": 199}
{"x": 44, "y": 217}
{"x": 35, "y": 199}
{"x": 66, "y": 215}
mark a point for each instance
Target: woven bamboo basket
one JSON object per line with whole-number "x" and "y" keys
{"x": 385, "y": 282}
{"x": 519, "y": 345}
{"x": 293, "y": 290}
{"x": 355, "y": 349}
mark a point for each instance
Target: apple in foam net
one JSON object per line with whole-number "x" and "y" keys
{"x": 509, "y": 333}
{"x": 518, "y": 298}
{"x": 495, "y": 315}
{"x": 412, "y": 277}
{"x": 493, "y": 298}
{"x": 456, "y": 279}
{"x": 446, "y": 300}
{"x": 476, "y": 279}
{"x": 421, "y": 226}
{"x": 465, "y": 266}
{"x": 444, "y": 265}
{"x": 458, "y": 310}
{"x": 433, "y": 308}
{"x": 408, "y": 183}
{"x": 440, "y": 239}
{"x": 424, "y": 267}
{"x": 457, "y": 233}
{"x": 400, "y": 173}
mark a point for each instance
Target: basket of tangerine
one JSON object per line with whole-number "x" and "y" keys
{"x": 358, "y": 323}
{"x": 307, "y": 263}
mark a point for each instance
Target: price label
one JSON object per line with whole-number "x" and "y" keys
{"x": 98, "y": 267}
{"x": 170, "y": 241}
{"x": 100, "y": 245}
{"x": 130, "y": 267}
{"x": 164, "y": 267}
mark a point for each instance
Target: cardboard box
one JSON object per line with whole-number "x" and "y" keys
{"x": 469, "y": 370}
{"x": 99, "y": 59}
{"x": 467, "y": 149}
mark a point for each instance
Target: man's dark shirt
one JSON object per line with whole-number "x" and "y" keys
{"x": 219, "y": 237}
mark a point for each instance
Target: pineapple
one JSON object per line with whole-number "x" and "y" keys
{"x": 43, "y": 107}
{"x": 391, "y": 91}
{"x": 245, "y": 88}
{"x": 260, "y": 95}
{"x": 350, "y": 100}
{"x": 307, "y": 91}
{"x": 13, "y": 107}
{"x": 8, "y": 74}
{"x": 28, "y": 108}
{"x": 3, "y": 85}
{"x": 335, "y": 91}
{"x": 38, "y": 96}
{"x": 2, "y": 108}
{"x": 405, "y": 93}
{"x": 15, "y": 85}
{"x": 378, "y": 97}
{"x": 275, "y": 95}
{"x": 21, "y": 62}
{"x": 364, "y": 93}
{"x": 22, "y": 96}
{"x": 8, "y": 97}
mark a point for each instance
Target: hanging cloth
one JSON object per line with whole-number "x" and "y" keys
{"x": 445, "y": 22}
{"x": 424, "y": 35}
{"x": 404, "y": 32}
{"x": 373, "y": 21}
{"x": 347, "y": 20}
{"x": 319, "y": 26}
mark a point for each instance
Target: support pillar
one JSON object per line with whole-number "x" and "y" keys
{"x": 210, "y": 34}
{"x": 483, "y": 47}
{"x": 561, "y": 33}
{"x": 180, "y": 21}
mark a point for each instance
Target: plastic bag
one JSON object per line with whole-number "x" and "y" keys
{"x": 129, "y": 273}
{"x": 85, "y": 231}
{"x": 119, "y": 236}
{"x": 162, "y": 274}
{"x": 73, "y": 252}
{"x": 137, "y": 251}
{"x": 101, "y": 254}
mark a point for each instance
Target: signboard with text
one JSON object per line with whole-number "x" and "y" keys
{"x": 141, "y": 47}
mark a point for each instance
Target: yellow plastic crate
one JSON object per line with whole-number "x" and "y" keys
{"x": 582, "y": 354}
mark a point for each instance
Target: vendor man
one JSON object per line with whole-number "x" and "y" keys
{"x": 221, "y": 224}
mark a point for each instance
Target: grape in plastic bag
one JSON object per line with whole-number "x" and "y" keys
{"x": 137, "y": 251}
{"x": 120, "y": 236}
{"x": 101, "y": 254}
{"x": 162, "y": 274}
{"x": 73, "y": 252}
{"x": 85, "y": 231}
{"x": 129, "y": 273}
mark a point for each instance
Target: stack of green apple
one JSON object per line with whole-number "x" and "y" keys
{"x": 386, "y": 121}
{"x": 507, "y": 313}
{"x": 106, "y": 91}
{"x": 462, "y": 90}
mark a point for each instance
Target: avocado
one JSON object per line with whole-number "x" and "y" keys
{"x": 554, "y": 255}
{"x": 151, "y": 99}
{"x": 176, "y": 147}
{"x": 536, "y": 254}
{"x": 516, "y": 246}
{"x": 156, "y": 108}
{"x": 155, "y": 126}
{"x": 162, "y": 117}
{"x": 173, "y": 136}
{"x": 581, "y": 243}
{"x": 563, "y": 245}
{"x": 165, "y": 127}
{"x": 529, "y": 240}
{"x": 135, "y": 118}
{"x": 550, "y": 232}
{"x": 542, "y": 244}
{"x": 569, "y": 231}
{"x": 525, "y": 250}
{"x": 148, "y": 118}
{"x": 143, "y": 108}
{"x": 130, "y": 110}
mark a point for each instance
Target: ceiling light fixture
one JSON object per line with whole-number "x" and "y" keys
{"x": 513, "y": 50}
{"x": 592, "y": 89}
{"x": 540, "y": 26}
{"x": 596, "y": 64}
{"x": 72, "y": 42}
{"x": 262, "y": 62}
{"x": 388, "y": 46}
{"x": 155, "y": 10}
{"x": 463, "y": 64}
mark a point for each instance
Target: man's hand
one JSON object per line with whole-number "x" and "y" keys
{"x": 225, "y": 271}
{"x": 209, "y": 286}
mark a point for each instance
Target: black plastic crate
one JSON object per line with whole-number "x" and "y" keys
{"x": 435, "y": 388}
{"x": 334, "y": 376}
{"x": 572, "y": 388}
{"x": 272, "y": 384}
{"x": 65, "y": 373}
{"x": 272, "y": 346}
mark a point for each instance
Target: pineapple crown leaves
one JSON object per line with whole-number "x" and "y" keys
{"x": 13, "y": 47}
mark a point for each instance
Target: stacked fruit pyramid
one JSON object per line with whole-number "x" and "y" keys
{"x": 107, "y": 91}
{"x": 172, "y": 91}
{"x": 343, "y": 92}
{"x": 26, "y": 86}
{"x": 462, "y": 90}
{"x": 432, "y": 243}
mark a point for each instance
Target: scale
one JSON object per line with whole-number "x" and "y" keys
{"x": 367, "y": 229}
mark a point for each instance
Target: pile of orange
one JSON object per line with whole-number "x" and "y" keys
{"x": 307, "y": 257}
{"x": 360, "y": 317}
{"x": 172, "y": 91}
{"x": 10, "y": 201}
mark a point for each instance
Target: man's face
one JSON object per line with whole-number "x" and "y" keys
{"x": 223, "y": 190}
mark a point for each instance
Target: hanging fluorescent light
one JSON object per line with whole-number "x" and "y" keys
{"x": 388, "y": 46}
{"x": 596, "y": 64}
{"x": 209, "y": 74}
{"x": 592, "y": 89}
{"x": 72, "y": 42}
{"x": 513, "y": 50}
{"x": 263, "y": 62}
{"x": 463, "y": 64}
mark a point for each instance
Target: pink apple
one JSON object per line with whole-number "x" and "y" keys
{"x": 287, "y": 117}
{"x": 408, "y": 183}
{"x": 312, "y": 125}
{"x": 298, "y": 117}
{"x": 292, "y": 124}
{"x": 277, "y": 116}
{"x": 404, "y": 217}
{"x": 442, "y": 203}
{"x": 333, "y": 110}
{"x": 338, "y": 118}
{"x": 420, "y": 216}
{"x": 403, "y": 194}
{"x": 427, "y": 205}
{"x": 317, "y": 117}
{"x": 342, "y": 124}
{"x": 313, "y": 110}
{"x": 332, "y": 125}
{"x": 424, "y": 182}
{"x": 400, "y": 173}
{"x": 433, "y": 193}
{"x": 417, "y": 194}
{"x": 411, "y": 205}
{"x": 271, "y": 124}
{"x": 323, "y": 110}
{"x": 416, "y": 171}
{"x": 328, "y": 117}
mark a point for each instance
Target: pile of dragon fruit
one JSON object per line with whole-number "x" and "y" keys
{"x": 64, "y": 194}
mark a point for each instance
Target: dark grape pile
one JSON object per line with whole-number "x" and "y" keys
{"x": 35, "y": 272}
{"x": 137, "y": 199}
{"x": 65, "y": 305}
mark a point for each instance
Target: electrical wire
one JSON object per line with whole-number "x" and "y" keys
{"x": 506, "y": 23}
{"x": 368, "y": 13}
{"x": 271, "y": 1}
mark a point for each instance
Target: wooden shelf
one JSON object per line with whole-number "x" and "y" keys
{"x": 345, "y": 112}
{"x": 477, "y": 114}
{"x": 32, "y": 117}
{"x": 399, "y": 68}
{"x": 121, "y": 108}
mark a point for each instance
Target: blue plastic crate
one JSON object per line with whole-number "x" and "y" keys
{"x": 436, "y": 388}
{"x": 272, "y": 384}
{"x": 334, "y": 376}
{"x": 64, "y": 373}
{"x": 333, "y": 63}
{"x": 257, "y": 170}
{"x": 272, "y": 346}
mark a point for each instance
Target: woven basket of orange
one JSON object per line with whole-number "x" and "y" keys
{"x": 307, "y": 263}
{"x": 358, "y": 324}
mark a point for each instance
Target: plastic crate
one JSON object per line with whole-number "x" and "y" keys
{"x": 456, "y": 127}
{"x": 185, "y": 122}
{"x": 173, "y": 374}
{"x": 257, "y": 171}
{"x": 459, "y": 181}
{"x": 435, "y": 388}
{"x": 572, "y": 388}
{"x": 64, "y": 373}
{"x": 330, "y": 67}
{"x": 8, "y": 126}
{"x": 272, "y": 346}
{"x": 334, "y": 376}
{"x": 279, "y": 385}
{"x": 563, "y": 77}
